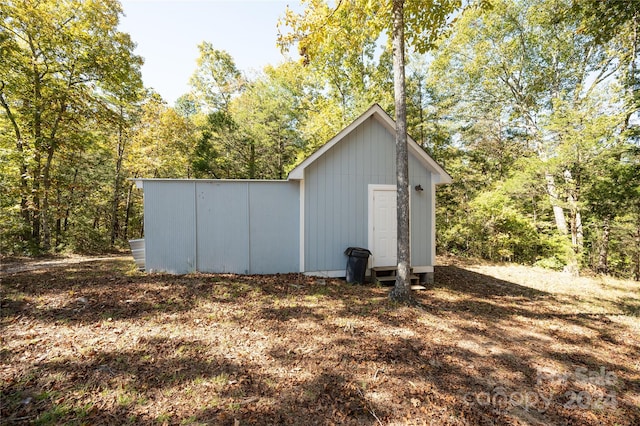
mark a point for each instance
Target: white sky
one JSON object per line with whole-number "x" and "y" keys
{"x": 167, "y": 34}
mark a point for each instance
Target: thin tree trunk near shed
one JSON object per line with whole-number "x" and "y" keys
{"x": 577, "y": 235}
{"x": 45, "y": 213}
{"x": 58, "y": 218}
{"x": 252, "y": 160}
{"x": 402, "y": 290}
{"x": 70, "y": 201}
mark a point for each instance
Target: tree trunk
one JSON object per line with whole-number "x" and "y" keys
{"x": 51, "y": 147}
{"x": 252, "y": 160}
{"x": 423, "y": 141}
{"x": 636, "y": 269}
{"x": 558, "y": 212}
{"x": 125, "y": 232}
{"x": 46, "y": 176}
{"x": 35, "y": 200}
{"x": 602, "y": 266}
{"x": 70, "y": 200}
{"x": 577, "y": 234}
{"x": 58, "y": 217}
{"x": 632, "y": 79}
{"x": 115, "y": 201}
{"x": 402, "y": 290}
{"x": 577, "y": 237}
{"x": 281, "y": 148}
{"x": 24, "y": 186}
{"x": 36, "y": 106}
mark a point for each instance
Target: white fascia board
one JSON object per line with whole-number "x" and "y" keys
{"x": 432, "y": 237}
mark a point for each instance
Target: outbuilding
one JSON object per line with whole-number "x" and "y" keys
{"x": 343, "y": 195}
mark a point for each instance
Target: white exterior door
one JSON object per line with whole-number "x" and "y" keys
{"x": 382, "y": 225}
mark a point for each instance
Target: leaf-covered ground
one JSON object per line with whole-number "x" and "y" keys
{"x": 99, "y": 343}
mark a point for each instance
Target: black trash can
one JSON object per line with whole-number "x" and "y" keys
{"x": 356, "y": 264}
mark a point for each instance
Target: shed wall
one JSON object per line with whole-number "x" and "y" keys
{"x": 274, "y": 227}
{"x": 336, "y": 197}
{"x": 169, "y": 222}
{"x": 422, "y": 215}
{"x": 222, "y": 226}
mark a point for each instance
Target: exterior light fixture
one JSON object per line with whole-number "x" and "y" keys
{"x": 419, "y": 188}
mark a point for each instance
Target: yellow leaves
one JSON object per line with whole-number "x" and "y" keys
{"x": 353, "y": 24}
{"x": 301, "y": 26}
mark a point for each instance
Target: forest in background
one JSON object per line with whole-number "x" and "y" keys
{"x": 530, "y": 105}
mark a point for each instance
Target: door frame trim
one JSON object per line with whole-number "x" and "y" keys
{"x": 371, "y": 189}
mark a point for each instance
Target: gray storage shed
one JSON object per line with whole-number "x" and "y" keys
{"x": 342, "y": 195}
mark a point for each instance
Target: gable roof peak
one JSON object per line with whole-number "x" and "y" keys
{"x": 385, "y": 119}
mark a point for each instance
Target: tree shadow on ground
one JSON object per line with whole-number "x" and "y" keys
{"x": 492, "y": 300}
{"x": 497, "y": 318}
{"x": 481, "y": 285}
{"x": 93, "y": 292}
{"x": 128, "y": 381}
{"x": 331, "y": 353}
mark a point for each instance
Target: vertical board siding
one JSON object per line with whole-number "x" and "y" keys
{"x": 243, "y": 227}
{"x": 170, "y": 226}
{"x": 223, "y": 227}
{"x": 336, "y": 197}
{"x": 421, "y": 208}
{"x": 274, "y": 209}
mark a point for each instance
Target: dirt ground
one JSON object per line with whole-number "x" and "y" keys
{"x": 12, "y": 265}
{"x": 97, "y": 342}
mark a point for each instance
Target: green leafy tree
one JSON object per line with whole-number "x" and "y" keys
{"x": 213, "y": 156}
{"x": 612, "y": 194}
{"x": 270, "y": 111}
{"x": 161, "y": 142}
{"x": 57, "y": 57}
{"x": 216, "y": 80}
{"x": 339, "y": 45}
{"x": 122, "y": 95}
{"x": 222, "y": 150}
{"x": 525, "y": 69}
{"x": 605, "y": 19}
{"x": 187, "y": 105}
